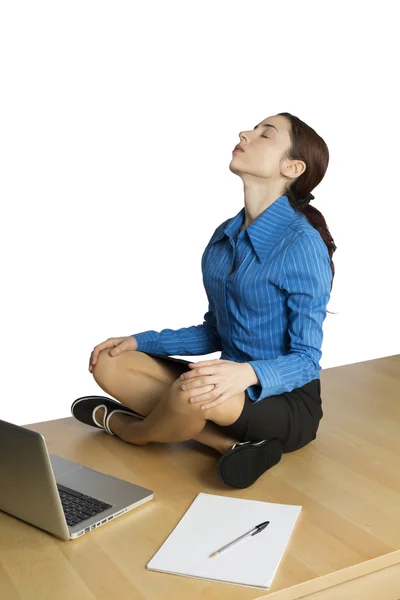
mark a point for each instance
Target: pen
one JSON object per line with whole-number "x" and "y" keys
{"x": 254, "y": 531}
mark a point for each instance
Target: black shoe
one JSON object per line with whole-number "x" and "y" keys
{"x": 247, "y": 461}
{"x": 84, "y": 409}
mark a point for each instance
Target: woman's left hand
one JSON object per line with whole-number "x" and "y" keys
{"x": 229, "y": 377}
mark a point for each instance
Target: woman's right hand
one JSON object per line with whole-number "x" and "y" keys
{"x": 118, "y": 345}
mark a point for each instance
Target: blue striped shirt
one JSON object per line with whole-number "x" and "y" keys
{"x": 269, "y": 310}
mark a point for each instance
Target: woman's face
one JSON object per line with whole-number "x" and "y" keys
{"x": 263, "y": 148}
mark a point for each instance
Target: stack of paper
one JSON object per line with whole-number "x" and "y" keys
{"x": 212, "y": 522}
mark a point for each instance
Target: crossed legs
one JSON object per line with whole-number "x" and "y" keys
{"x": 152, "y": 388}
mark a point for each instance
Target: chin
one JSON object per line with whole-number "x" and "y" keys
{"x": 233, "y": 168}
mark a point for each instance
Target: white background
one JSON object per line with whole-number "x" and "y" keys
{"x": 118, "y": 121}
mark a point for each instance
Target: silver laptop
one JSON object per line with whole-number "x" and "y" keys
{"x": 58, "y": 495}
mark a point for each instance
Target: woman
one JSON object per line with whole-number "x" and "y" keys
{"x": 268, "y": 275}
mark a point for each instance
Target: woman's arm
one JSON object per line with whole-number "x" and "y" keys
{"x": 187, "y": 341}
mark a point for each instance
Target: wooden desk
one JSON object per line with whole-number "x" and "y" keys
{"x": 347, "y": 481}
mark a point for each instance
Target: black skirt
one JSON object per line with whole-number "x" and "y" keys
{"x": 292, "y": 417}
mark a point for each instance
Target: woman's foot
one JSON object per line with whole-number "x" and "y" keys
{"x": 115, "y": 421}
{"x": 247, "y": 461}
{"x": 90, "y": 410}
{"x": 99, "y": 415}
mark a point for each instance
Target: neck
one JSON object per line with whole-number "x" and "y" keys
{"x": 257, "y": 199}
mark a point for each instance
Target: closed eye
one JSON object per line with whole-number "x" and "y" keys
{"x": 265, "y": 136}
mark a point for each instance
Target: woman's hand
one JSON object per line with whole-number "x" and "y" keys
{"x": 229, "y": 377}
{"x": 118, "y": 345}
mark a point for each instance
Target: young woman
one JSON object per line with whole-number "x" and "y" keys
{"x": 268, "y": 275}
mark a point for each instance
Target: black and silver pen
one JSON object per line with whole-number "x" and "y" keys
{"x": 250, "y": 533}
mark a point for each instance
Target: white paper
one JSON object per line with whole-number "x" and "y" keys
{"x": 213, "y": 521}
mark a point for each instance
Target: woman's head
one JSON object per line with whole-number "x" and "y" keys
{"x": 265, "y": 160}
{"x": 284, "y": 155}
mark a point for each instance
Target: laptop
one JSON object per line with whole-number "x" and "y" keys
{"x": 58, "y": 495}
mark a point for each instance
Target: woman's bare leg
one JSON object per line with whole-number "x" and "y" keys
{"x": 139, "y": 381}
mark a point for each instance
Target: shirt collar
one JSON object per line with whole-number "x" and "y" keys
{"x": 266, "y": 230}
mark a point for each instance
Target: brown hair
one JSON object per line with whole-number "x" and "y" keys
{"x": 308, "y": 146}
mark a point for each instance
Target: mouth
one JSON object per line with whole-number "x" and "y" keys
{"x": 238, "y": 149}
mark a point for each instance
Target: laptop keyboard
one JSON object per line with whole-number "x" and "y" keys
{"x": 78, "y": 507}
